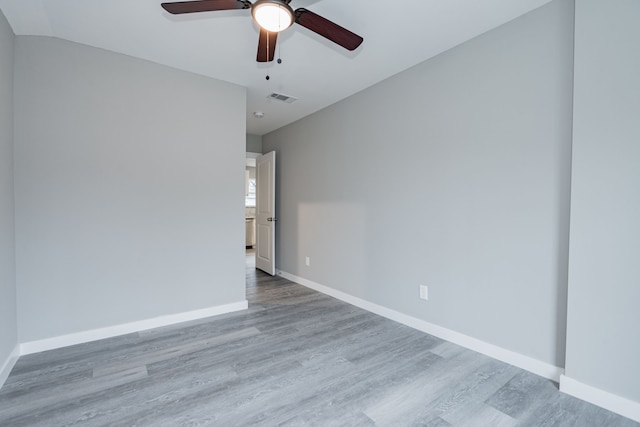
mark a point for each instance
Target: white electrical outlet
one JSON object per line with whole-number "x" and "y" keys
{"x": 424, "y": 292}
{"x": 307, "y": 261}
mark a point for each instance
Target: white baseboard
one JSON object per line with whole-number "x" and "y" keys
{"x": 527, "y": 363}
{"x": 8, "y": 365}
{"x": 604, "y": 399}
{"x": 127, "y": 328}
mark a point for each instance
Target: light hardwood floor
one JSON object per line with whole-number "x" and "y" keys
{"x": 294, "y": 358}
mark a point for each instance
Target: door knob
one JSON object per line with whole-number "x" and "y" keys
{"x": 272, "y": 219}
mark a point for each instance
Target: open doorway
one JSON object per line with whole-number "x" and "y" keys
{"x": 250, "y": 205}
{"x": 260, "y": 215}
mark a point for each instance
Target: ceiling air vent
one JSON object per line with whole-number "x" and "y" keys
{"x": 282, "y": 98}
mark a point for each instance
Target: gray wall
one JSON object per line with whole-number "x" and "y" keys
{"x": 8, "y": 327}
{"x": 129, "y": 197}
{"x": 603, "y": 349}
{"x": 254, "y": 143}
{"x": 454, "y": 174}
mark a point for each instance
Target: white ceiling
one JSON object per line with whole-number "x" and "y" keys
{"x": 223, "y": 44}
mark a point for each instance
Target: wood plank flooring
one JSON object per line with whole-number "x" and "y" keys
{"x": 294, "y": 358}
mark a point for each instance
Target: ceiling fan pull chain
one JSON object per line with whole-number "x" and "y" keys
{"x": 267, "y": 48}
{"x": 268, "y": 45}
{"x": 279, "y": 61}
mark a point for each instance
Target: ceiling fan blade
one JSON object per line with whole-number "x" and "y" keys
{"x": 328, "y": 29}
{"x": 204, "y": 6}
{"x": 266, "y": 46}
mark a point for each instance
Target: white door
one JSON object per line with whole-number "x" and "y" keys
{"x": 266, "y": 213}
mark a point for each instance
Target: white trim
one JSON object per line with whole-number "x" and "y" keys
{"x": 127, "y": 328}
{"x": 604, "y": 399}
{"x": 8, "y": 364}
{"x": 521, "y": 361}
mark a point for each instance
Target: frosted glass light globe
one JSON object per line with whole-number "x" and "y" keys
{"x": 273, "y": 16}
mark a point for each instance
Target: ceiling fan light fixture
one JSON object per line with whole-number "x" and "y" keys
{"x": 272, "y": 15}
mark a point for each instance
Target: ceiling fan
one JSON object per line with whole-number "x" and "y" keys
{"x": 272, "y": 16}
